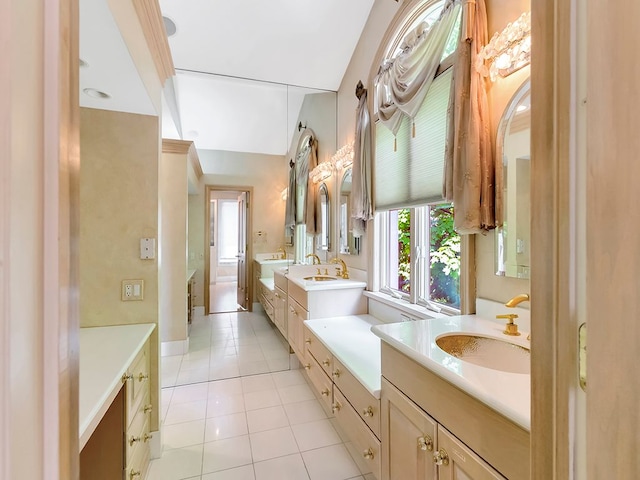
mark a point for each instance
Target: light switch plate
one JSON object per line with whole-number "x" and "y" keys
{"x": 132, "y": 290}
{"x": 147, "y": 248}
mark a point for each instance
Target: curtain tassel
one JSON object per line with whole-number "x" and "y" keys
{"x": 395, "y": 144}
{"x": 413, "y": 129}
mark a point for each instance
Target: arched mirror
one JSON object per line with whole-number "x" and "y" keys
{"x": 349, "y": 245}
{"x": 513, "y": 149}
{"x": 325, "y": 218}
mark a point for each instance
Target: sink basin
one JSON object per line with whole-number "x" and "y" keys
{"x": 487, "y": 352}
{"x": 320, "y": 278}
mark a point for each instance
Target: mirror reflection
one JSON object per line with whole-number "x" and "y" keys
{"x": 513, "y": 148}
{"x": 349, "y": 245}
{"x": 325, "y": 218}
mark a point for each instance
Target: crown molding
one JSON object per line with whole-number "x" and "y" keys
{"x": 184, "y": 147}
{"x": 150, "y": 17}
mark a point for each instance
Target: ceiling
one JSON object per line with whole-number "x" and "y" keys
{"x": 243, "y": 67}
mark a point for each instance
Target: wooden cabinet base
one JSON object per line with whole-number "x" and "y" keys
{"x": 102, "y": 457}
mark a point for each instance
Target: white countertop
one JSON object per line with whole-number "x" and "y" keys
{"x": 349, "y": 338}
{"x": 105, "y": 355}
{"x": 337, "y": 284}
{"x": 268, "y": 282}
{"x": 506, "y": 393}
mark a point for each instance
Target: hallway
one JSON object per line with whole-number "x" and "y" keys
{"x": 223, "y": 297}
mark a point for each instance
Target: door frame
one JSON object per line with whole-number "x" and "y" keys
{"x": 554, "y": 286}
{"x": 207, "y": 240}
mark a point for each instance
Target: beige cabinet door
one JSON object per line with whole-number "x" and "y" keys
{"x": 458, "y": 462}
{"x": 409, "y": 438}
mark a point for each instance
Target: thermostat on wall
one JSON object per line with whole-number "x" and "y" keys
{"x": 147, "y": 248}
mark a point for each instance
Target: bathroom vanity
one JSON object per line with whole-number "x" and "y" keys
{"x": 443, "y": 417}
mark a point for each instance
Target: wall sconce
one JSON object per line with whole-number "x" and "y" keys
{"x": 343, "y": 158}
{"x": 323, "y": 171}
{"x": 507, "y": 51}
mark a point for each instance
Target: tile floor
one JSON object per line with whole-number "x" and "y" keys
{"x": 227, "y": 345}
{"x": 223, "y": 297}
{"x": 260, "y": 427}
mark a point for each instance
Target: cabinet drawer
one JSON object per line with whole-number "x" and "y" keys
{"x": 367, "y": 406}
{"x": 364, "y": 441}
{"x": 136, "y": 469}
{"x": 320, "y": 381}
{"x": 298, "y": 294}
{"x": 137, "y": 386}
{"x": 135, "y": 434}
{"x": 319, "y": 351}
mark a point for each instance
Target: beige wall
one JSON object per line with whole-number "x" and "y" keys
{"x": 173, "y": 205}
{"x": 118, "y": 206}
{"x": 267, "y": 174}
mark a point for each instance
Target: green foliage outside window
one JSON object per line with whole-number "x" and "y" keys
{"x": 444, "y": 286}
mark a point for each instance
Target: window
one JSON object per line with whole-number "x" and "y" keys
{"x": 421, "y": 256}
{"x": 417, "y": 245}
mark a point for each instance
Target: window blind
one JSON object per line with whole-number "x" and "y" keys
{"x": 412, "y": 173}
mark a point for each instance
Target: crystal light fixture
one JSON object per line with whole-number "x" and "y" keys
{"x": 508, "y": 51}
{"x": 321, "y": 172}
{"x": 343, "y": 158}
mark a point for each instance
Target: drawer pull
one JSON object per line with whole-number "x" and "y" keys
{"x": 147, "y": 437}
{"x": 425, "y": 443}
{"x": 336, "y": 373}
{"x": 143, "y": 376}
{"x": 368, "y": 412}
{"x": 148, "y": 408}
{"x": 134, "y": 473}
{"x": 307, "y": 366}
{"x": 126, "y": 377}
{"x": 308, "y": 341}
{"x": 368, "y": 454}
{"x": 441, "y": 457}
{"x": 326, "y": 363}
{"x": 133, "y": 440}
{"x": 336, "y": 407}
{"x": 325, "y": 392}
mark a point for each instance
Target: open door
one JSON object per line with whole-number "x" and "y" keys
{"x": 243, "y": 289}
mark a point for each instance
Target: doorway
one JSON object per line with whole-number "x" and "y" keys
{"x": 226, "y": 269}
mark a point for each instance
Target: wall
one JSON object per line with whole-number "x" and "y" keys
{"x": 499, "y": 13}
{"x": 267, "y": 174}
{"x": 172, "y": 252}
{"x": 118, "y": 206}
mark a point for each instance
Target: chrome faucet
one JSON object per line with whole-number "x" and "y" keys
{"x": 345, "y": 272}
{"x": 316, "y": 258}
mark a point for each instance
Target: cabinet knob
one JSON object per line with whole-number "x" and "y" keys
{"x": 336, "y": 373}
{"x": 277, "y": 295}
{"x": 325, "y": 392}
{"x": 133, "y": 440}
{"x": 326, "y": 363}
{"x": 336, "y": 407}
{"x": 441, "y": 457}
{"x": 126, "y": 377}
{"x": 147, "y": 437}
{"x": 148, "y": 408}
{"x": 308, "y": 341}
{"x": 368, "y": 412}
{"x": 134, "y": 473}
{"x": 425, "y": 443}
{"x": 143, "y": 376}
{"x": 307, "y": 366}
{"x": 368, "y": 454}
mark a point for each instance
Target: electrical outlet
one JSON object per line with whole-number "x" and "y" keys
{"x": 132, "y": 290}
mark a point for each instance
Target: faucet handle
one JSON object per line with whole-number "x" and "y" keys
{"x": 511, "y": 328}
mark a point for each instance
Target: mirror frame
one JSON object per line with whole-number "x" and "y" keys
{"x": 501, "y": 232}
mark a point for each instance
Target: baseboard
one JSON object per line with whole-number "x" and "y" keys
{"x": 155, "y": 444}
{"x": 178, "y": 347}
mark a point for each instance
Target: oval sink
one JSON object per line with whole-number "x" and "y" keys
{"x": 320, "y": 278}
{"x": 487, "y": 352}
